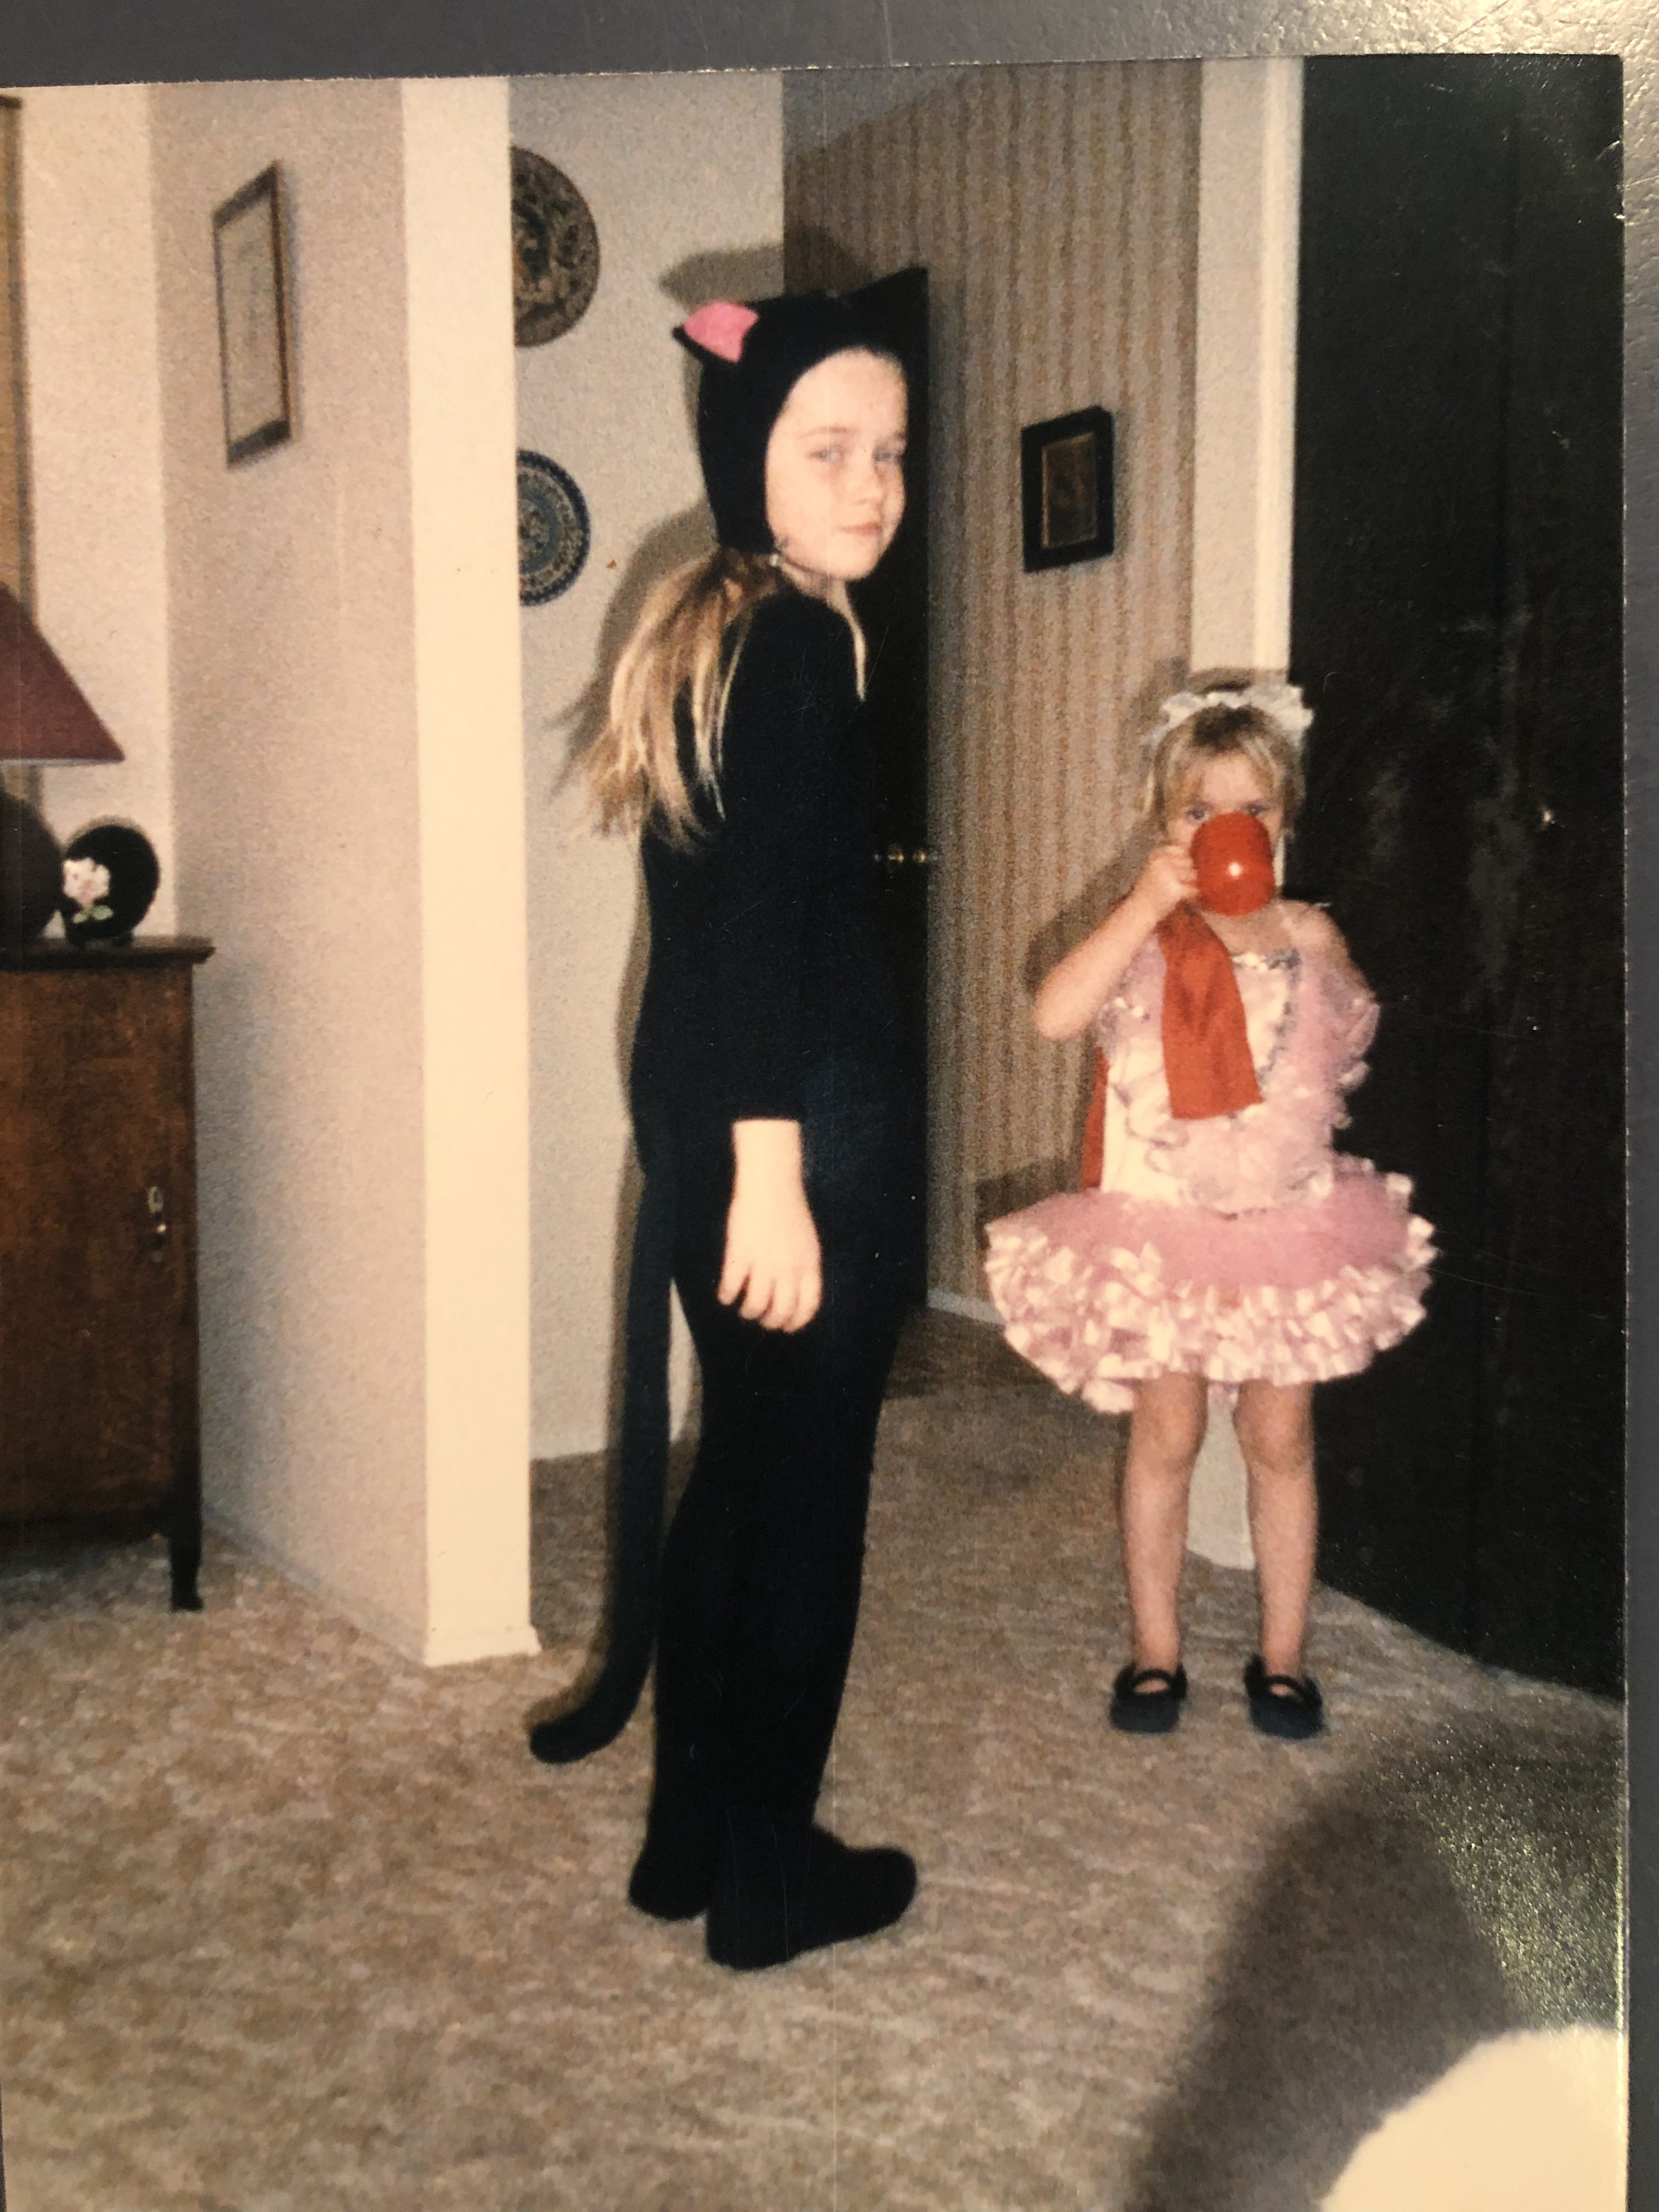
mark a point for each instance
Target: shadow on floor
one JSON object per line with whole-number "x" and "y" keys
{"x": 1438, "y": 1900}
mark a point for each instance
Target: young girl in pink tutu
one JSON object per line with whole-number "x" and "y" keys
{"x": 1221, "y": 1245}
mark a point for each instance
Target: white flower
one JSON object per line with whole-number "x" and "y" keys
{"x": 85, "y": 881}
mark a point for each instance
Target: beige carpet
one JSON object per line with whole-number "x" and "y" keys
{"x": 289, "y": 1923}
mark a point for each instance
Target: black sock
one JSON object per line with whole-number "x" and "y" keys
{"x": 783, "y": 1887}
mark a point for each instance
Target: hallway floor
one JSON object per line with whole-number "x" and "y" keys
{"x": 292, "y": 1924}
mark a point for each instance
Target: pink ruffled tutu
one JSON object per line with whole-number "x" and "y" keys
{"x": 1273, "y": 1258}
{"x": 1100, "y": 1290}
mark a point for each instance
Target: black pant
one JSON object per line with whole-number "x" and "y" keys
{"x": 764, "y": 1563}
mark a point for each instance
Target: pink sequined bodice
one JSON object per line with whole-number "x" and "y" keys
{"x": 1309, "y": 1024}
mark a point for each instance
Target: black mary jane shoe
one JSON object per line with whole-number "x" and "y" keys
{"x": 1141, "y": 1711}
{"x": 1288, "y": 1706}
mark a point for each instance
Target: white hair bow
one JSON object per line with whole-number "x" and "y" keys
{"x": 1281, "y": 703}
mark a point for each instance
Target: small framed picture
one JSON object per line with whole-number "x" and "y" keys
{"x": 1065, "y": 488}
{"x": 255, "y": 370}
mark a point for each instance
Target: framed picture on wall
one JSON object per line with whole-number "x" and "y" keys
{"x": 1065, "y": 488}
{"x": 254, "y": 367}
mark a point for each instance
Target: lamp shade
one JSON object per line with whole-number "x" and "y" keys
{"x": 44, "y": 714}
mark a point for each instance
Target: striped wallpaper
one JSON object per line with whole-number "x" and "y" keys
{"x": 1056, "y": 212}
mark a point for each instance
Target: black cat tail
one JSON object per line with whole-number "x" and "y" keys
{"x": 607, "y": 1708}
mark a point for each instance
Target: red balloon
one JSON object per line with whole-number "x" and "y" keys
{"x": 1234, "y": 860}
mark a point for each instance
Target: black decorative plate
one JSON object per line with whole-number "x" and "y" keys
{"x": 556, "y": 251}
{"x": 553, "y": 530}
{"x": 111, "y": 874}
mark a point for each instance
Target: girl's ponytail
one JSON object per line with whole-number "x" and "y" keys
{"x": 678, "y": 649}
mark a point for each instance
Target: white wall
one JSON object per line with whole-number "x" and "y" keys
{"x": 344, "y": 835}
{"x": 684, "y": 177}
{"x": 96, "y": 438}
{"x": 476, "y": 1056}
{"x": 1245, "y": 430}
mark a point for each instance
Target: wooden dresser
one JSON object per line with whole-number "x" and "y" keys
{"x": 99, "y": 1429}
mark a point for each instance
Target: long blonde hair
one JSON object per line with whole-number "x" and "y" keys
{"x": 677, "y": 650}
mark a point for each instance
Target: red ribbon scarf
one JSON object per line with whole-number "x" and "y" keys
{"x": 1206, "y": 1047}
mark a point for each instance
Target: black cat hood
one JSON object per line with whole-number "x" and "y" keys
{"x": 753, "y": 354}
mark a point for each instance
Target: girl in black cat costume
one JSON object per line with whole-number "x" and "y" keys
{"x": 767, "y": 1117}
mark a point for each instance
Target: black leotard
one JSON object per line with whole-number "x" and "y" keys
{"x": 767, "y": 979}
{"x": 768, "y": 996}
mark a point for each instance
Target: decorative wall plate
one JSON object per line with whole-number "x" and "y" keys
{"x": 556, "y": 251}
{"x": 553, "y": 530}
{"x": 111, "y": 875}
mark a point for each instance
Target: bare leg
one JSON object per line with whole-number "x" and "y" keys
{"x": 1165, "y": 1431}
{"x": 1275, "y": 1423}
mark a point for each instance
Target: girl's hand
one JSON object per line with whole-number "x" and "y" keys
{"x": 1074, "y": 991}
{"x": 773, "y": 1262}
{"x": 1167, "y": 879}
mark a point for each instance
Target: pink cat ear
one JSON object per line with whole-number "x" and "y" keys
{"x": 720, "y": 328}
